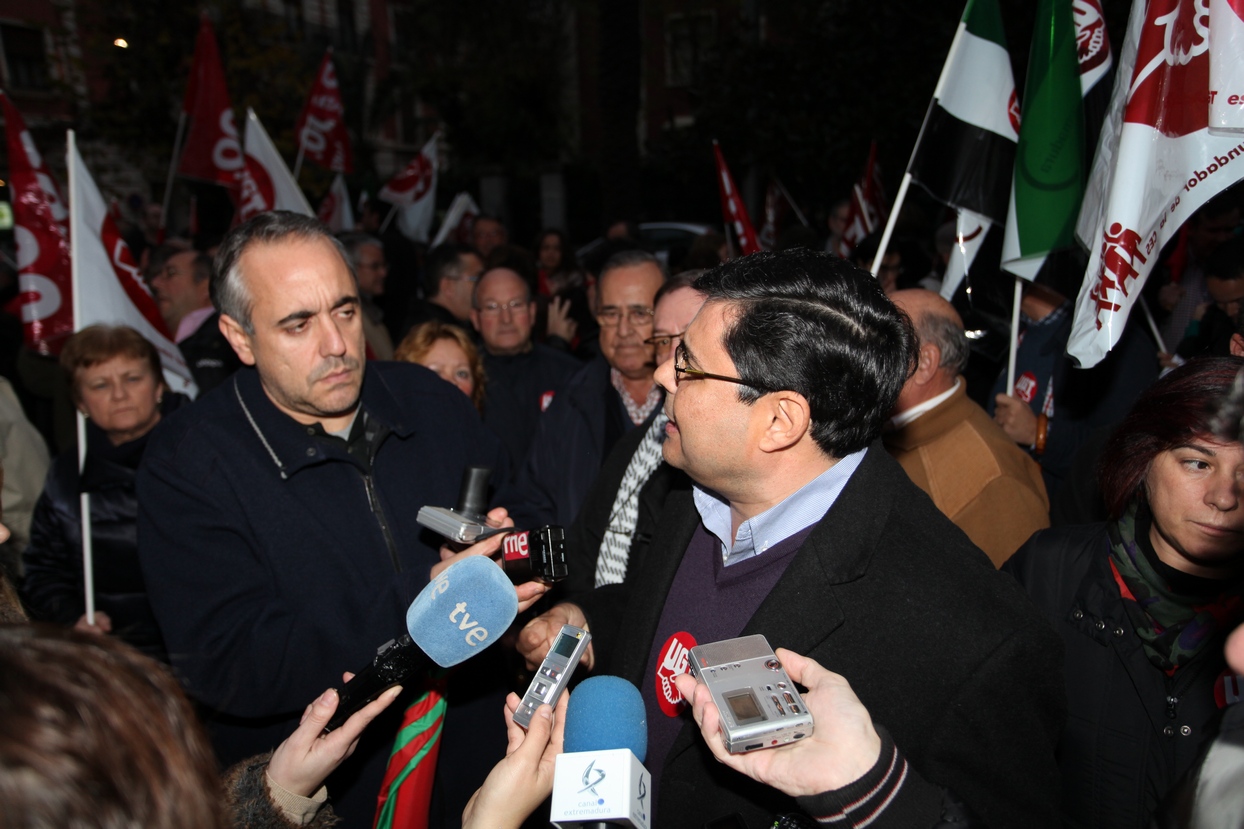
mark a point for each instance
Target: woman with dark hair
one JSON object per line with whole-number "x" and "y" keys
{"x": 1144, "y": 601}
{"x": 116, "y": 380}
{"x": 94, "y": 734}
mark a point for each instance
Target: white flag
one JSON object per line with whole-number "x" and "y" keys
{"x": 1226, "y": 71}
{"x": 458, "y": 219}
{"x": 970, "y": 232}
{"x": 335, "y": 210}
{"x": 107, "y": 285}
{"x": 413, "y": 192}
{"x": 266, "y": 182}
{"x": 1165, "y": 166}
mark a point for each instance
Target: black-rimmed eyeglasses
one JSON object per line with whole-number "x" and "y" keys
{"x": 681, "y": 373}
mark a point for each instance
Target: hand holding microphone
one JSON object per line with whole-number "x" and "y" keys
{"x": 460, "y": 613}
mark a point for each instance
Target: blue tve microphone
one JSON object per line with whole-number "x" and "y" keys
{"x": 459, "y": 614}
{"x": 600, "y": 780}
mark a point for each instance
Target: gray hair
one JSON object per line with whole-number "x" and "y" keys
{"x": 228, "y": 290}
{"x": 353, "y": 240}
{"x": 948, "y": 336}
{"x": 629, "y": 259}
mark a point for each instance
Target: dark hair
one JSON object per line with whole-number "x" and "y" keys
{"x": 229, "y": 293}
{"x": 1227, "y": 260}
{"x": 1177, "y": 408}
{"x": 93, "y": 733}
{"x": 677, "y": 282}
{"x": 97, "y": 344}
{"x": 158, "y": 256}
{"x": 201, "y": 266}
{"x": 815, "y": 324}
{"x": 443, "y": 262}
{"x": 568, "y": 262}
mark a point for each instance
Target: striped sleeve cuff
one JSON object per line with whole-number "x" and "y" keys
{"x": 891, "y": 794}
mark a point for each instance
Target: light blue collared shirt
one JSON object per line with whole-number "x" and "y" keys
{"x": 778, "y": 523}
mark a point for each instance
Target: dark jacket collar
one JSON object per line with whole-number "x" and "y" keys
{"x": 291, "y": 445}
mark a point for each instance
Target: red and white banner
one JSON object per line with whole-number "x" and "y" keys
{"x": 1157, "y": 162}
{"x": 459, "y": 219}
{"x": 108, "y": 287}
{"x": 321, "y": 129}
{"x": 413, "y": 191}
{"x": 266, "y": 183}
{"x": 212, "y": 151}
{"x": 1226, "y": 72}
{"x": 335, "y": 210}
{"x": 41, "y": 229}
{"x": 867, "y": 212}
{"x": 778, "y": 205}
{"x": 732, "y": 208}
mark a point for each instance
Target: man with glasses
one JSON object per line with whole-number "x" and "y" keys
{"x": 802, "y": 528}
{"x": 523, "y": 377}
{"x": 604, "y": 400}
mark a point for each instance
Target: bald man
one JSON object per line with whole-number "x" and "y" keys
{"x": 950, "y": 447}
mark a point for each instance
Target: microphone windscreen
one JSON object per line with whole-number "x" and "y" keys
{"x": 463, "y": 611}
{"x": 606, "y": 712}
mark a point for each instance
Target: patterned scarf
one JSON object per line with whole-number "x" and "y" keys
{"x": 615, "y": 547}
{"x": 1173, "y": 628}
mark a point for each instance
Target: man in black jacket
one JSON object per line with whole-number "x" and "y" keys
{"x": 800, "y": 527}
{"x": 277, "y": 530}
{"x": 181, "y": 291}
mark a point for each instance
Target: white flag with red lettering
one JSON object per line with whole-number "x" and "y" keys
{"x": 41, "y": 229}
{"x": 1166, "y": 165}
{"x": 335, "y": 210}
{"x": 867, "y": 211}
{"x": 732, "y": 208}
{"x": 212, "y": 151}
{"x": 107, "y": 285}
{"x": 459, "y": 219}
{"x": 413, "y": 192}
{"x": 266, "y": 182}
{"x": 321, "y": 128}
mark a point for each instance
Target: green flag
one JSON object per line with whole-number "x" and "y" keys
{"x": 1048, "y": 182}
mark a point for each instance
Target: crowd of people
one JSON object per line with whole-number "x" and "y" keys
{"x": 1009, "y": 606}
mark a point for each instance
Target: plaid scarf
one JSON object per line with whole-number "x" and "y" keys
{"x": 1173, "y": 628}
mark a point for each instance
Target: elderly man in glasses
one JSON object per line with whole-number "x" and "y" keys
{"x": 523, "y": 377}
{"x": 802, "y": 528}
{"x": 604, "y": 400}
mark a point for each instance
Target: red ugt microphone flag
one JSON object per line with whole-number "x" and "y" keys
{"x": 321, "y": 127}
{"x": 1157, "y": 163}
{"x": 732, "y": 207}
{"x": 212, "y": 150}
{"x": 41, "y": 229}
{"x": 109, "y": 287}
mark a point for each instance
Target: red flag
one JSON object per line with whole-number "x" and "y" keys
{"x": 1157, "y": 163}
{"x": 867, "y": 212}
{"x": 335, "y": 208}
{"x": 42, "y": 232}
{"x": 212, "y": 151}
{"x": 417, "y": 180}
{"x": 732, "y": 207}
{"x": 321, "y": 128}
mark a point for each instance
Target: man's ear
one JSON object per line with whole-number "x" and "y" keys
{"x": 789, "y": 418}
{"x": 930, "y": 361}
{"x": 475, "y": 318}
{"x": 238, "y": 338}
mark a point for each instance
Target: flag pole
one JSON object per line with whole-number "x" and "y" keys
{"x": 889, "y": 225}
{"x": 84, "y": 504}
{"x": 298, "y": 160}
{"x": 798, "y": 213}
{"x": 172, "y": 172}
{"x": 1153, "y": 325}
{"x": 1010, "y": 360}
{"x": 385, "y": 224}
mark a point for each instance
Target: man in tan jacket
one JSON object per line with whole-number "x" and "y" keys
{"x": 951, "y": 448}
